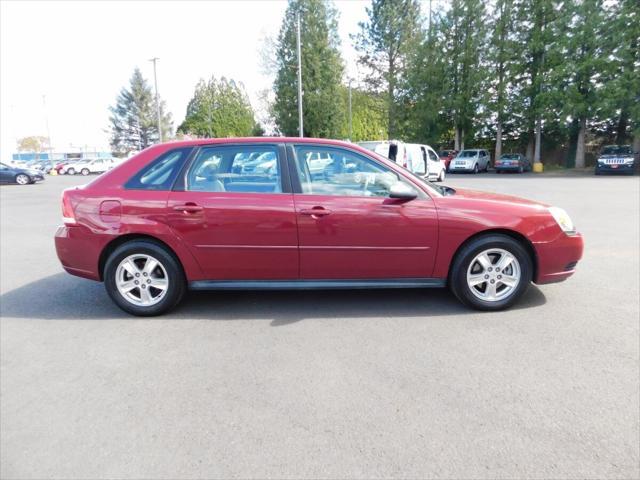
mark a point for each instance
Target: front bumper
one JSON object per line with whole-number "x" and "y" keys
{"x": 460, "y": 168}
{"x": 622, "y": 168}
{"x": 558, "y": 258}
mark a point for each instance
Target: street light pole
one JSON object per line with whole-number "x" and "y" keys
{"x": 300, "y": 119}
{"x": 155, "y": 81}
{"x": 46, "y": 121}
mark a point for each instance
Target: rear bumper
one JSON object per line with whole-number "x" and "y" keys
{"x": 558, "y": 258}
{"x": 79, "y": 250}
{"x": 508, "y": 168}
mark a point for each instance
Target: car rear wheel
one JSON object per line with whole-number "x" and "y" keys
{"x": 491, "y": 272}
{"x": 144, "y": 279}
{"x": 22, "y": 179}
{"x": 84, "y": 171}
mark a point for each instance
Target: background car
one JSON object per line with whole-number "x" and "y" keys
{"x": 446, "y": 156}
{"x": 85, "y": 167}
{"x": 512, "y": 162}
{"x": 471, "y": 160}
{"x": 394, "y": 150}
{"x": 424, "y": 162}
{"x": 615, "y": 159}
{"x": 21, "y": 176}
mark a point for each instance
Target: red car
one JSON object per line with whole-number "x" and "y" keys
{"x": 292, "y": 213}
{"x": 446, "y": 156}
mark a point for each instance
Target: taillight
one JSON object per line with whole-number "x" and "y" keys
{"x": 68, "y": 216}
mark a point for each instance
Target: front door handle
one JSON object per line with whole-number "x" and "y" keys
{"x": 316, "y": 212}
{"x": 189, "y": 207}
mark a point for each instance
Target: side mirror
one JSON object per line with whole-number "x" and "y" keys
{"x": 402, "y": 191}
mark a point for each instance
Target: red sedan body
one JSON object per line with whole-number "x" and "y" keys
{"x": 253, "y": 238}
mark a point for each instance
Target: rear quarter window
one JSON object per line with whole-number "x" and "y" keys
{"x": 161, "y": 173}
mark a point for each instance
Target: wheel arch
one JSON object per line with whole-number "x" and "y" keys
{"x": 110, "y": 247}
{"x": 517, "y": 236}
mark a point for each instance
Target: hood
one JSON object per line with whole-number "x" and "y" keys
{"x": 462, "y": 193}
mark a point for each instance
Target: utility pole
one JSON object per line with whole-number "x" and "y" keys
{"x": 155, "y": 81}
{"x": 300, "y": 119}
{"x": 46, "y": 121}
{"x": 350, "y": 117}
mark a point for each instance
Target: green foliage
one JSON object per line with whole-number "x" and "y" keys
{"x": 34, "y": 143}
{"x": 219, "y": 108}
{"x": 322, "y": 69}
{"x": 369, "y": 115}
{"x": 385, "y": 42}
{"x": 134, "y": 119}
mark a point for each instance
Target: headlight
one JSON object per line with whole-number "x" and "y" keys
{"x": 628, "y": 160}
{"x": 563, "y": 219}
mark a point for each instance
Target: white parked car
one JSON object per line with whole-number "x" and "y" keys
{"x": 392, "y": 149}
{"x": 471, "y": 160}
{"x": 85, "y": 167}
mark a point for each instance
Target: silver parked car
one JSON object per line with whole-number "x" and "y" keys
{"x": 471, "y": 160}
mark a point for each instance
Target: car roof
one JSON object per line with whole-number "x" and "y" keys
{"x": 235, "y": 140}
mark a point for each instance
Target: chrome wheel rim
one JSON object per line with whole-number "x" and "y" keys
{"x": 22, "y": 179}
{"x": 142, "y": 280}
{"x": 494, "y": 275}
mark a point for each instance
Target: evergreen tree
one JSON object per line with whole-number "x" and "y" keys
{"x": 368, "y": 113}
{"x": 466, "y": 72}
{"x": 322, "y": 69}
{"x": 385, "y": 41}
{"x": 134, "y": 124}
{"x": 219, "y": 108}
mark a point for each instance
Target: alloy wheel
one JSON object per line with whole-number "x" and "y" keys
{"x": 22, "y": 179}
{"x": 493, "y": 275}
{"x": 142, "y": 280}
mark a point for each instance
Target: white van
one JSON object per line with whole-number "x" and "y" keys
{"x": 419, "y": 159}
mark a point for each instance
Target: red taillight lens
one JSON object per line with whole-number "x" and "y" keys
{"x": 68, "y": 216}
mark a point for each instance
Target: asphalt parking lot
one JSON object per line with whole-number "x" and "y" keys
{"x": 348, "y": 384}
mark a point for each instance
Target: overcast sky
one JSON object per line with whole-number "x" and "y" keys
{"x": 80, "y": 54}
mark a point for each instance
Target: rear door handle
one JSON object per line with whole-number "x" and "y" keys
{"x": 315, "y": 212}
{"x": 188, "y": 208}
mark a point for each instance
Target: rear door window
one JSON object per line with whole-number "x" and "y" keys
{"x": 239, "y": 169}
{"x": 161, "y": 173}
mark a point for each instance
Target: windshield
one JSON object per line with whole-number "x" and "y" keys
{"x": 468, "y": 154}
{"x": 617, "y": 150}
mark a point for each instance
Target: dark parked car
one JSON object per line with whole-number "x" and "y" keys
{"x": 615, "y": 159}
{"x": 512, "y": 162}
{"x": 187, "y": 215}
{"x": 21, "y": 176}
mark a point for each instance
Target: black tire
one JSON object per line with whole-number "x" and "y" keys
{"x": 475, "y": 168}
{"x": 71, "y": 171}
{"x": 175, "y": 274}
{"x": 464, "y": 257}
{"x": 85, "y": 171}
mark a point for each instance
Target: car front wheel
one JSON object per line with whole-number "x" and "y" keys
{"x": 71, "y": 171}
{"x": 491, "y": 272}
{"x": 84, "y": 171}
{"x": 144, "y": 279}
{"x": 475, "y": 168}
{"x": 441, "y": 176}
{"x": 22, "y": 179}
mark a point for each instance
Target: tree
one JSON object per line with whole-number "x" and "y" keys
{"x": 584, "y": 62}
{"x": 424, "y": 89}
{"x": 502, "y": 61}
{"x": 34, "y": 143}
{"x": 466, "y": 73}
{"x": 385, "y": 41}
{"x": 322, "y": 69}
{"x": 368, "y": 114}
{"x": 134, "y": 124}
{"x": 219, "y": 108}
{"x": 622, "y": 88}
